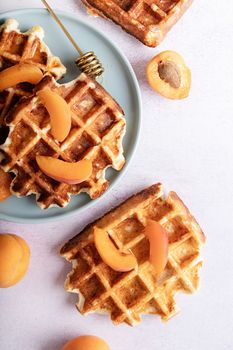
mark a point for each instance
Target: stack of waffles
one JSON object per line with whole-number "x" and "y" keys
{"x": 128, "y": 295}
{"x": 98, "y": 123}
{"x": 98, "y": 126}
{"x": 147, "y": 20}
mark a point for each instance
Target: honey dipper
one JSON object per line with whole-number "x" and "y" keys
{"x": 87, "y": 62}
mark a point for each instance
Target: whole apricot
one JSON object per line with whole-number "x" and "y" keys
{"x": 86, "y": 342}
{"x": 14, "y": 259}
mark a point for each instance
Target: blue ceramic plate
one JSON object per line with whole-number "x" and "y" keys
{"x": 119, "y": 79}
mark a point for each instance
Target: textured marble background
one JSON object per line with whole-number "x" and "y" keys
{"x": 188, "y": 145}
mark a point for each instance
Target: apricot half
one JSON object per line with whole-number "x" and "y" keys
{"x": 5, "y": 183}
{"x": 158, "y": 238}
{"x": 59, "y": 112}
{"x": 20, "y": 73}
{"x": 69, "y": 173}
{"x": 111, "y": 255}
{"x": 86, "y": 342}
{"x": 168, "y": 75}
{"x": 14, "y": 259}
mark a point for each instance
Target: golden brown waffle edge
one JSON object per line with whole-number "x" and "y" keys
{"x": 147, "y": 20}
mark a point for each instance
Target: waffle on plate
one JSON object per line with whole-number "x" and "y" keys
{"x": 128, "y": 295}
{"x": 17, "y": 47}
{"x": 98, "y": 127}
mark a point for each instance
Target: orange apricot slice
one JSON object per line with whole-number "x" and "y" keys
{"x": 5, "y": 183}
{"x": 158, "y": 238}
{"x": 14, "y": 259}
{"x": 111, "y": 255}
{"x": 59, "y": 112}
{"x": 61, "y": 171}
{"x": 20, "y": 73}
{"x": 168, "y": 75}
{"x": 86, "y": 342}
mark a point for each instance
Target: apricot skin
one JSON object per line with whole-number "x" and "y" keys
{"x": 179, "y": 87}
{"x": 86, "y": 342}
{"x": 158, "y": 238}
{"x": 20, "y": 73}
{"x": 59, "y": 111}
{"x": 111, "y": 255}
{"x": 69, "y": 173}
{"x": 5, "y": 183}
{"x": 14, "y": 259}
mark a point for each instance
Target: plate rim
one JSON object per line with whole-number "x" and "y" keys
{"x": 121, "y": 174}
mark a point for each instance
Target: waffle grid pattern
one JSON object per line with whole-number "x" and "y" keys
{"x": 148, "y": 20}
{"x": 98, "y": 126}
{"x": 17, "y": 47}
{"x": 128, "y": 295}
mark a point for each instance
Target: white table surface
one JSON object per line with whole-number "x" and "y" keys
{"x": 188, "y": 145}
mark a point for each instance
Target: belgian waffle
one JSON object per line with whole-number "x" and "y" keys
{"x": 98, "y": 127}
{"x": 126, "y": 296}
{"x": 147, "y": 20}
{"x": 17, "y": 47}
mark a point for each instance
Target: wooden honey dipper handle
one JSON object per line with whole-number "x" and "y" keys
{"x": 52, "y": 13}
{"x": 87, "y": 62}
